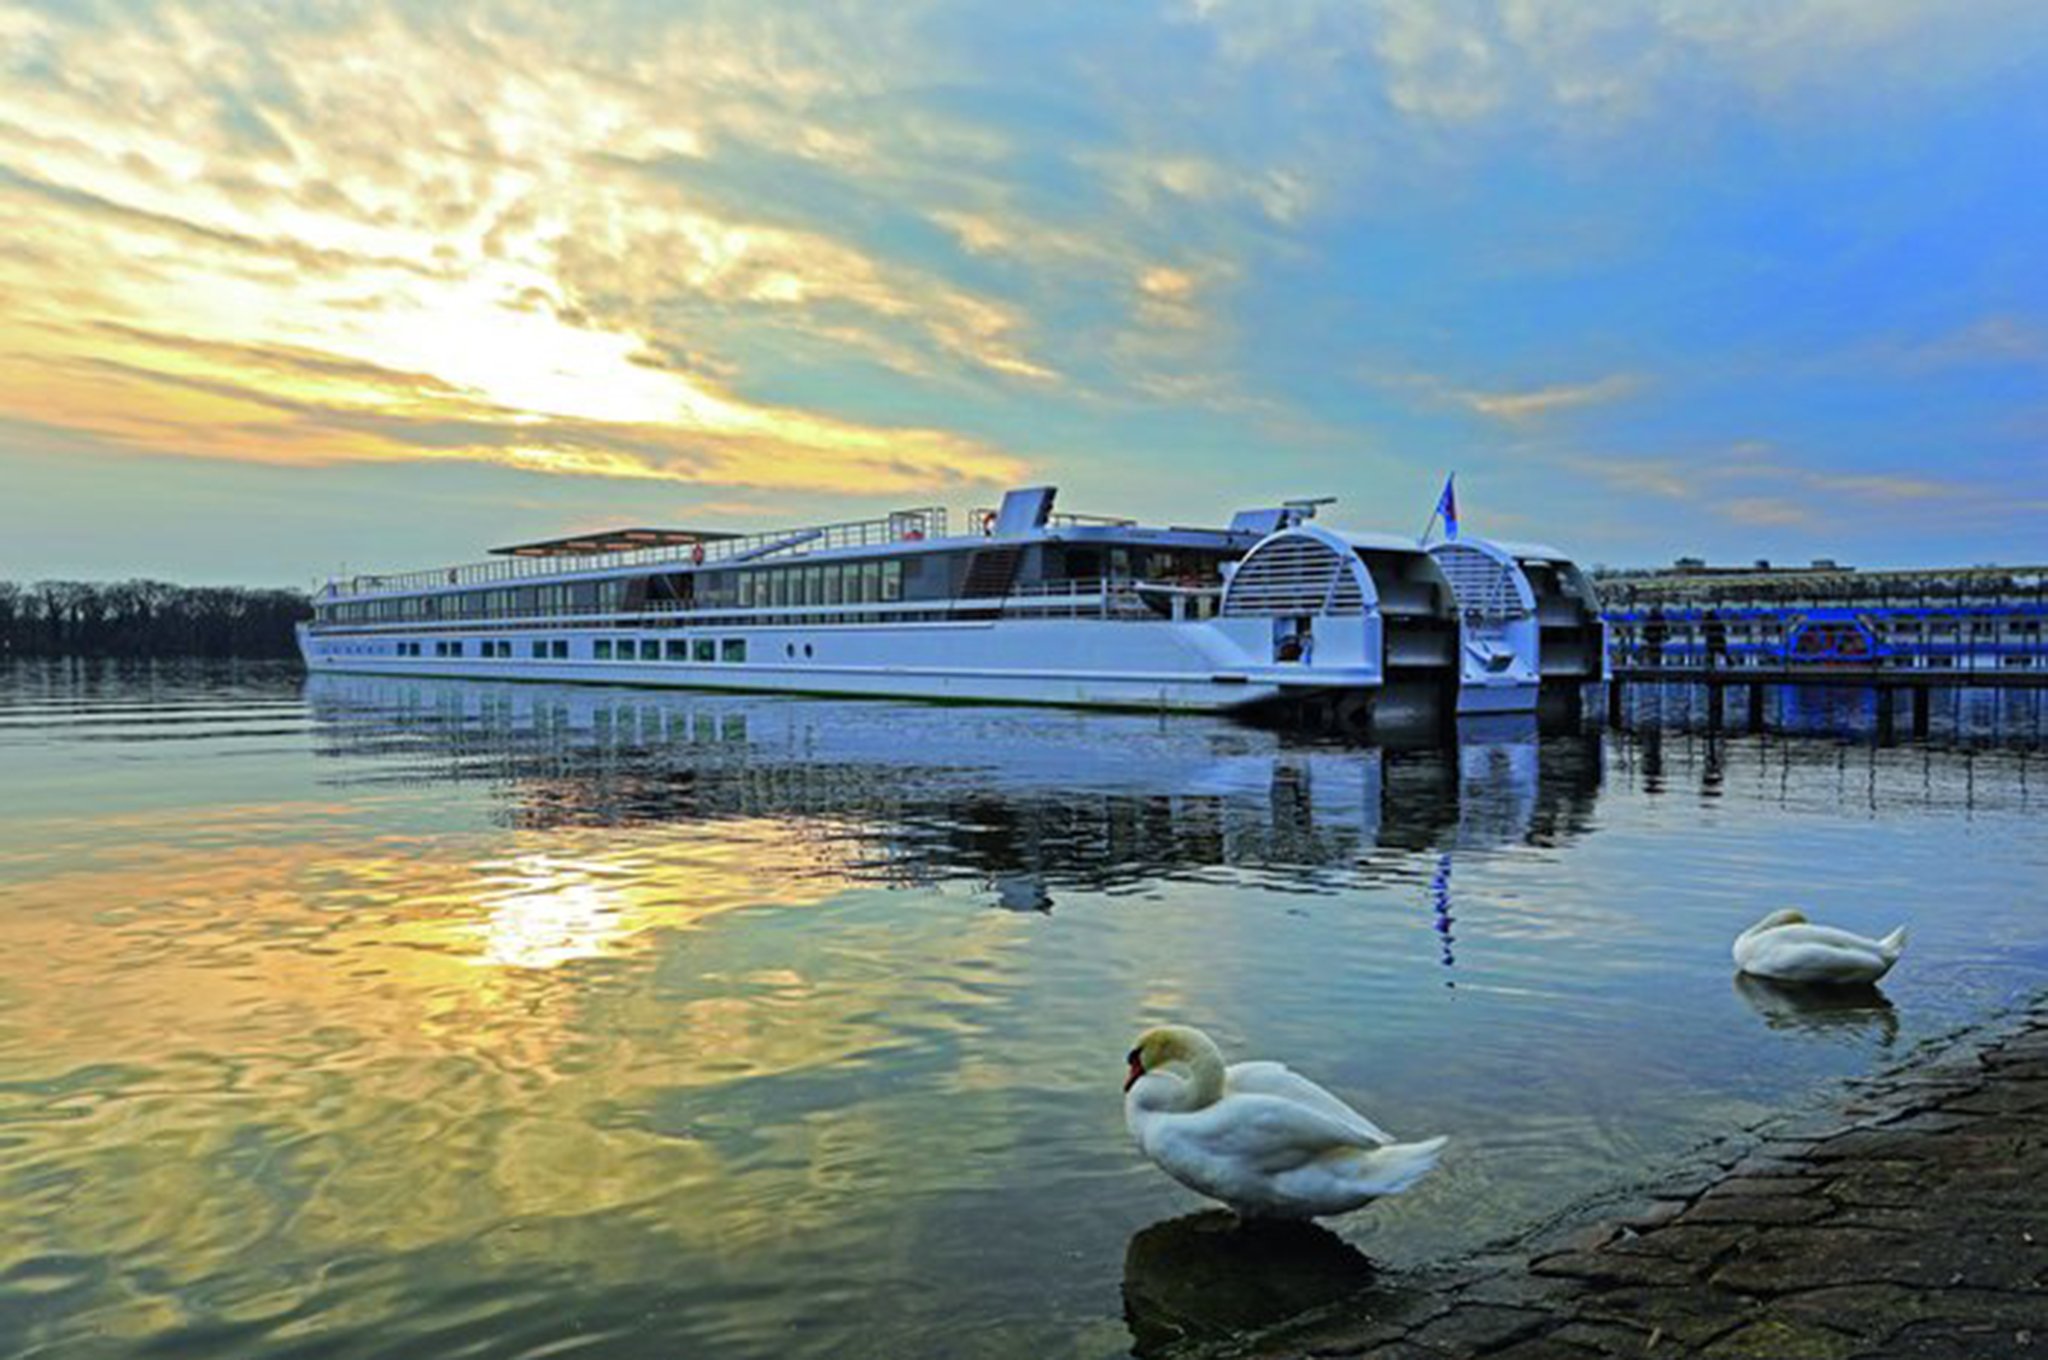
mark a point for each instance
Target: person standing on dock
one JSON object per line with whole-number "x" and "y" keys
{"x": 1716, "y": 631}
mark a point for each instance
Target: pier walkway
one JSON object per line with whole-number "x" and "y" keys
{"x": 1912, "y": 1221}
{"x": 1849, "y": 677}
{"x": 1829, "y": 625}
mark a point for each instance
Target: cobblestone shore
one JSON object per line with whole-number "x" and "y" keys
{"x": 1912, "y": 1221}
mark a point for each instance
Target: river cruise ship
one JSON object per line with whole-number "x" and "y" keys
{"x": 1026, "y": 606}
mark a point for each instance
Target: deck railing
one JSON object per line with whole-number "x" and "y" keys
{"x": 1109, "y": 598}
{"x": 1628, "y": 649}
{"x": 987, "y": 515}
{"x": 898, "y": 526}
{"x": 1929, "y": 588}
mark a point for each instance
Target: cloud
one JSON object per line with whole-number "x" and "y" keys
{"x": 295, "y": 366}
{"x": 1574, "y": 66}
{"x": 1668, "y": 478}
{"x": 1755, "y": 484}
{"x": 978, "y": 235}
{"x": 177, "y": 397}
{"x": 1881, "y": 487}
{"x": 1438, "y": 63}
{"x": 632, "y": 248}
{"x": 1164, "y": 284}
{"x": 1763, "y": 511}
{"x": 1988, "y": 341}
{"x": 1519, "y": 406}
{"x": 1171, "y": 310}
{"x": 1536, "y": 403}
{"x": 1155, "y": 184}
{"x": 467, "y": 247}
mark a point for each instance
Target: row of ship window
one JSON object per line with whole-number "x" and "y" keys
{"x": 829, "y": 583}
{"x": 673, "y": 649}
{"x": 726, "y": 650}
{"x": 583, "y": 597}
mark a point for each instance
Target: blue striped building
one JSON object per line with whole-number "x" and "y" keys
{"x": 1962, "y": 619}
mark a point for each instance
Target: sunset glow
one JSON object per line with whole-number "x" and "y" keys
{"x": 715, "y": 263}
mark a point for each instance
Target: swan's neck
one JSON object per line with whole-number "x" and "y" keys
{"x": 1205, "y": 1079}
{"x": 1774, "y": 920}
{"x": 1190, "y": 1076}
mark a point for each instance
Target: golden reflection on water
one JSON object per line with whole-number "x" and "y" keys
{"x": 303, "y": 1051}
{"x": 547, "y": 907}
{"x": 554, "y": 917}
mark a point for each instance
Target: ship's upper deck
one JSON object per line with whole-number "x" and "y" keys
{"x": 1024, "y": 516}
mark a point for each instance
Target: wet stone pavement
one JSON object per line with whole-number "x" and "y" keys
{"x": 1910, "y": 1221}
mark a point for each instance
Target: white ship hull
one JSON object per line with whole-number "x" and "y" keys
{"x": 1529, "y": 619}
{"x": 1178, "y": 667}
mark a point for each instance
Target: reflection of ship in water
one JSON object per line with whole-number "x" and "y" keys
{"x": 1527, "y": 778}
{"x": 1026, "y": 800}
{"x": 1521, "y": 779}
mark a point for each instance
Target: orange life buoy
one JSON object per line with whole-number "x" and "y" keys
{"x": 913, "y": 535}
{"x": 697, "y": 554}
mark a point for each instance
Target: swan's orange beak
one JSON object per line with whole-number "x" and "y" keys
{"x": 1137, "y": 1069}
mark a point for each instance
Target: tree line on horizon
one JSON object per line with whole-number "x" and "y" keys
{"x": 148, "y": 618}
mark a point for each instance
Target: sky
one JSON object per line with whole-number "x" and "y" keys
{"x": 288, "y": 289}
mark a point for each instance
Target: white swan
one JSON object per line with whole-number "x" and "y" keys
{"x": 1258, "y": 1137}
{"x": 1785, "y": 946}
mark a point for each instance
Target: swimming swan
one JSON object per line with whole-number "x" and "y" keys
{"x": 1258, "y": 1137}
{"x": 1784, "y": 946}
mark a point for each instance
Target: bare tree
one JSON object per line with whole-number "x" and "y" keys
{"x": 147, "y": 618}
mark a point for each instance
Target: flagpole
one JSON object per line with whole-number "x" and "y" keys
{"x": 1437, "y": 513}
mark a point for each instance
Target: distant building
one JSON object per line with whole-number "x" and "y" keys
{"x": 1699, "y": 566}
{"x": 1974, "y": 618}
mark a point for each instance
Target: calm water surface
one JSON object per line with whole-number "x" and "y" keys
{"x": 372, "y": 1018}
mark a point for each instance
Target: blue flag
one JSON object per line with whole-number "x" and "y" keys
{"x": 1447, "y": 508}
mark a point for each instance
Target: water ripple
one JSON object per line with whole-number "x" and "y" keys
{"x": 485, "y": 1020}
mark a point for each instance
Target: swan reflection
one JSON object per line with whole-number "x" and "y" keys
{"x": 1210, "y": 1276}
{"x": 1849, "y": 1012}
